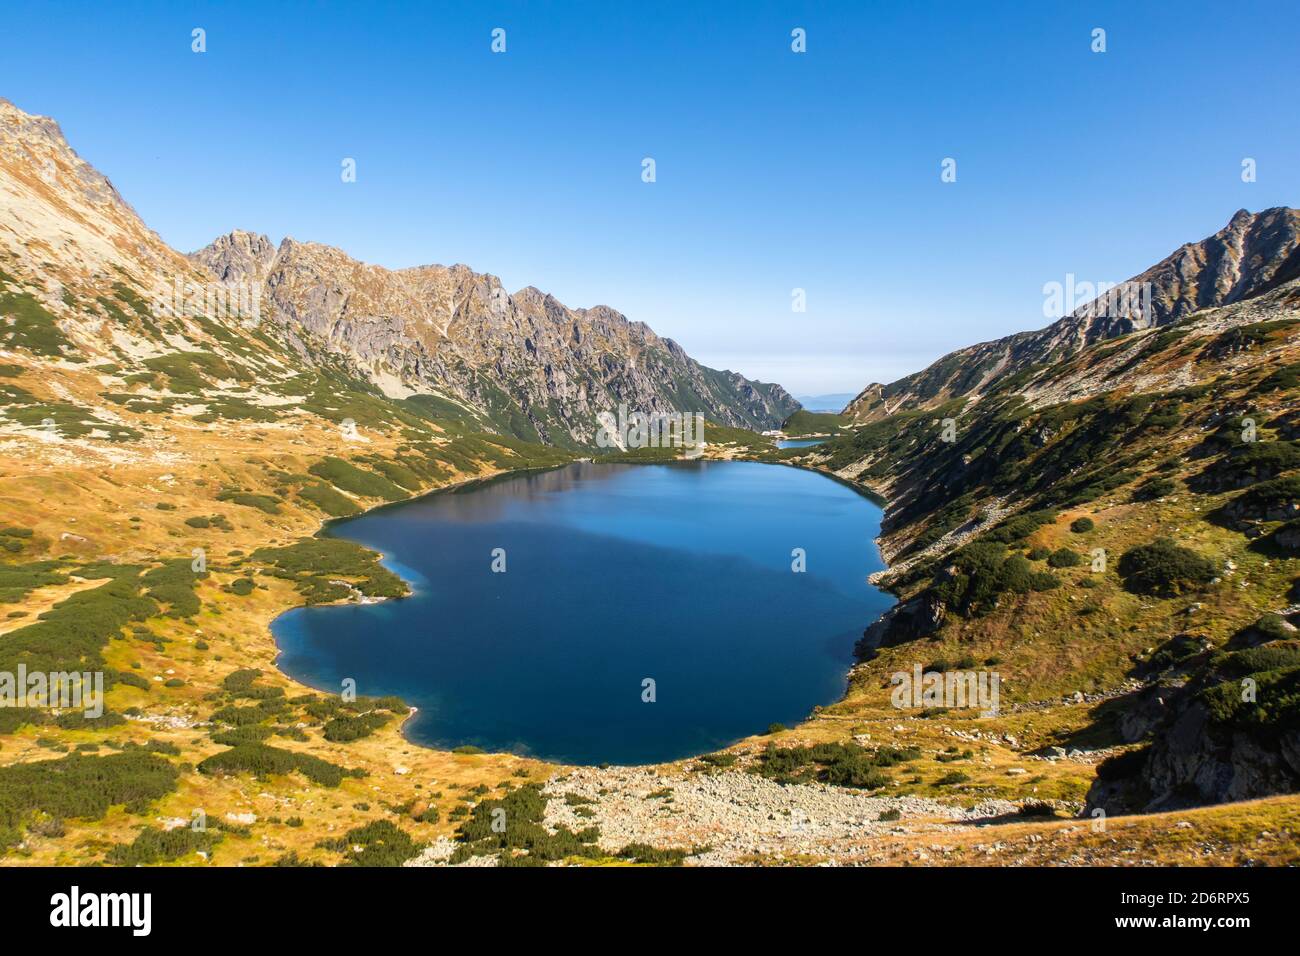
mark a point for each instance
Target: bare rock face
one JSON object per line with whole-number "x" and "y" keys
{"x": 536, "y": 367}
{"x": 906, "y": 621}
{"x": 64, "y": 215}
{"x": 1192, "y": 759}
{"x": 237, "y": 257}
{"x": 1252, "y": 255}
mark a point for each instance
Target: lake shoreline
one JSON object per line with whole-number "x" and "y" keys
{"x": 472, "y": 483}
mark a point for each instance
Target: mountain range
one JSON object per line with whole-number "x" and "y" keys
{"x": 524, "y": 365}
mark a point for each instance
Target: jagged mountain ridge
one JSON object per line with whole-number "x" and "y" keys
{"x": 522, "y": 365}
{"x": 455, "y": 332}
{"x": 1251, "y": 255}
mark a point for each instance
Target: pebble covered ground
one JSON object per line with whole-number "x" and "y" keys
{"x": 738, "y": 816}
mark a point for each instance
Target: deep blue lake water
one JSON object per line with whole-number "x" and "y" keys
{"x": 681, "y": 573}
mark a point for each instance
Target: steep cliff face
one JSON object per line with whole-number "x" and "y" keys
{"x": 540, "y": 369}
{"x": 1251, "y": 255}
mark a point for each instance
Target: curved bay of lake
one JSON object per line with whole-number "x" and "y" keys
{"x": 680, "y": 573}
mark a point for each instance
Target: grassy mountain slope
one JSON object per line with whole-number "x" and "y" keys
{"x": 1115, "y": 533}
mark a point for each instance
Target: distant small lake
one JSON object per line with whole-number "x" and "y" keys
{"x": 799, "y": 442}
{"x": 680, "y": 573}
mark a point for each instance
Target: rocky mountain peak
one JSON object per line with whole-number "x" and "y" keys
{"x": 1251, "y": 255}
{"x": 238, "y": 256}
{"x": 61, "y": 209}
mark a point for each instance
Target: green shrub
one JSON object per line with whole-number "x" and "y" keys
{"x": 245, "y": 734}
{"x": 347, "y": 728}
{"x": 522, "y": 811}
{"x": 845, "y": 765}
{"x": 83, "y": 786}
{"x": 263, "y": 761}
{"x": 173, "y": 584}
{"x": 263, "y": 503}
{"x": 1254, "y": 660}
{"x": 1275, "y": 707}
{"x": 153, "y": 845}
{"x": 315, "y": 564}
{"x": 1249, "y": 462}
{"x": 1155, "y": 488}
{"x": 378, "y": 843}
{"x": 1020, "y": 527}
{"x": 1164, "y": 569}
{"x": 1043, "y": 581}
{"x": 358, "y": 481}
{"x": 1064, "y": 558}
{"x": 1275, "y": 500}
{"x": 71, "y": 635}
{"x": 240, "y": 681}
{"x": 328, "y": 500}
{"x": 1081, "y": 525}
{"x": 647, "y": 854}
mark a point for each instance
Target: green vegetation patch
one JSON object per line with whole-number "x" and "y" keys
{"x": 328, "y": 500}
{"x": 1274, "y": 707}
{"x": 511, "y": 829}
{"x": 82, "y": 786}
{"x": 1164, "y": 569}
{"x": 803, "y": 423}
{"x": 173, "y": 584}
{"x": 358, "y": 481}
{"x": 19, "y": 580}
{"x": 153, "y": 845}
{"x": 983, "y": 572}
{"x": 71, "y": 635}
{"x": 349, "y": 727}
{"x": 378, "y": 843}
{"x": 193, "y": 373}
{"x": 26, "y": 324}
{"x": 264, "y": 761}
{"x": 264, "y": 503}
{"x": 316, "y": 565}
{"x": 843, "y": 765}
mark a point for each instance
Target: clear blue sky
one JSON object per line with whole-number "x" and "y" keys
{"x": 775, "y": 170}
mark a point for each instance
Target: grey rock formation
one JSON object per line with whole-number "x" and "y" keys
{"x": 529, "y": 364}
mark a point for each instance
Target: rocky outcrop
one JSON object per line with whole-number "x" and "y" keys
{"x": 1198, "y": 751}
{"x": 918, "y": 617}
{"x": 539, "y": 369}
